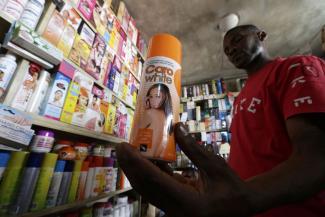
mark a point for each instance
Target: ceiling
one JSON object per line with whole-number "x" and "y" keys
{"x": 292, "y": 25}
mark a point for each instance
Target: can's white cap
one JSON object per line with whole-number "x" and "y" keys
{"x": 11, "y": 56}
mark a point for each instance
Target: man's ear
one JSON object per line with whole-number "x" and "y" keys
{"x": 262, "y": 35}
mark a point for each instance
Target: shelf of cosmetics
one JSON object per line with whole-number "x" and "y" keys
{"x": 208, "y": 115}
{"x": 78, "y": 30}
{"x": 36, "y": 180}
{"x": 122, "y": 206}
{"x": 220, "y": 147}
{"x": 69, "y": 96}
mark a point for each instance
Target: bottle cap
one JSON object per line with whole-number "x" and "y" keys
{"x": 45, "y": 133}
{"x": 59, "y": 167}
{"x": 165, "y": 45}
{"x": 4, "y": 158}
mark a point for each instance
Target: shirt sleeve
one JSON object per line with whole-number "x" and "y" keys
{"x": 303, "y": 89}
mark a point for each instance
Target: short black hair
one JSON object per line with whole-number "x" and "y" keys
{"x": 248, "y": 27}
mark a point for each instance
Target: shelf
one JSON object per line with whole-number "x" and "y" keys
{"x": 69, "y": 128}
{"x": 27, "y": 55}
{"x": 207, "y": 97}
{"x": 208, "y": 131}
{"x": 12, "y": 145}
{"x": 6, "y": 17}
{"x": 99, "y": 84}
{"x": 71, "y": 206}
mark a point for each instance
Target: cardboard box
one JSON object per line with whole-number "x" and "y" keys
{"x": 66, "y": 41}
{"x": 53, "y": 103}
{"x": 80, "y": 51}
{"x": 35, "y": 44}
{"x": 15, "y": 125}
{"x": 54, "y": 28}
{"x": 77, "y": 100}
{"x": 70, "y": 15}
{"x": 86, "y": 7}
{"x": 94, "y": 118}
{"x": 93, "y": 66}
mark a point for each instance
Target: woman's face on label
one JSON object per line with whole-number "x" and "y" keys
{"x": 156, "y": 98}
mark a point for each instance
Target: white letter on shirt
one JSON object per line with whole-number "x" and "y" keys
{"x": 241, "y": 103}
{"x": 252, "y": 105}
{"x": 297, "y": 80}
{"x": 302, "y": 100}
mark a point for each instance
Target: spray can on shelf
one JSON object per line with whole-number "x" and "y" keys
{"x": 55, "y": 184}
{"x": 65, "y": 183}
{"x": 158, "y": 103}
{"x": 10, "y": 180}
{"x": 43, "y": 182}
{"x": 74, "y": 181}
{"x": 4, "y": 158}
{"x": 14, "y": 8}
{"x": 82, "y": 180}
{"x": 27, "y": 184}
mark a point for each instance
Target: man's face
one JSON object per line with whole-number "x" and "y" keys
{"x": 242, "y": 47}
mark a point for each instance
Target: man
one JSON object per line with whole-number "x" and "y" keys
{"x": 277, "y": 159}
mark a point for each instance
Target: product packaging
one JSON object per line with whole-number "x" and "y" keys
{"x": 110, "y": 119}
{"x": 90, "y": 177}
{"x": 98, "y": 177}
{"x": 29, "y": 178}
{"x": 34, "y": 106}
{"x": 14, "y": 8}
{"x": 8, "y": 66}
{"x": 94, "y": 120}
{"x": 4, "y": 158}
{"x": 93, "y": 66}
{"x": 11, "y": 179}
{"x": 70, "y": 15}
{"x": 43, "y": 141}
{"x": 74, "y": 181}
{"x": 43, "y": 182}
{"x": 66, "y": 41}
{"x": 55, "y": 184}
{"x": 28, "y": 87}
{"x": 53, "y": 103}
{"x": 77, "y": 101}
{"x": 65, "y": 183}
{"x": 32, "y": 13}
{"x": 86, "y": 7}
{"x": 35, "y": 44}
{"x": 82, "y": 180}
{"x": 158, "y": 102}
{"x": 54, "y": 28}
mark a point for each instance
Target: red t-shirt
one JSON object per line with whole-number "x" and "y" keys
{"x": 283, "y": 88}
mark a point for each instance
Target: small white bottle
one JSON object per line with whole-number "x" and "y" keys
{"x": 8, "y": 66}
{"x": 14, "y": 8}
{"x": 32, "y": 13}
{"x": 2, "y": 3}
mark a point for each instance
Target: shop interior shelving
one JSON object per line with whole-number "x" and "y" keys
{"x": 71, "y": 206}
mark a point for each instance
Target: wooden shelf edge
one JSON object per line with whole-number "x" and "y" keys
{"x": 72, "y": 206}
{"x": 69, "y": 128}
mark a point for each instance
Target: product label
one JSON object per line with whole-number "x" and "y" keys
{"x": 157, "y": 109}
{"x": 54, "y": 190}
{"x": 7, "y": 69}
{"x": 42, "y": 142}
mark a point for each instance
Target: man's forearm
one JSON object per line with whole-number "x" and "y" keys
{"x": 291, "y": 181}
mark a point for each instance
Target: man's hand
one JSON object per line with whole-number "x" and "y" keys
{"x": 217, "y": 192}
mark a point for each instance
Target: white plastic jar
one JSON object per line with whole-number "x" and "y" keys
{"x": 42, "y": 142}
{"x": 8, "y": 66}
{"x": 14, "y": 8}
{"x": 32, "y": 13}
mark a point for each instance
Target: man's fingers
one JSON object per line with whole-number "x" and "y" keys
{"x": 147, "y": 179}
{"x": 203, "y": 159}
